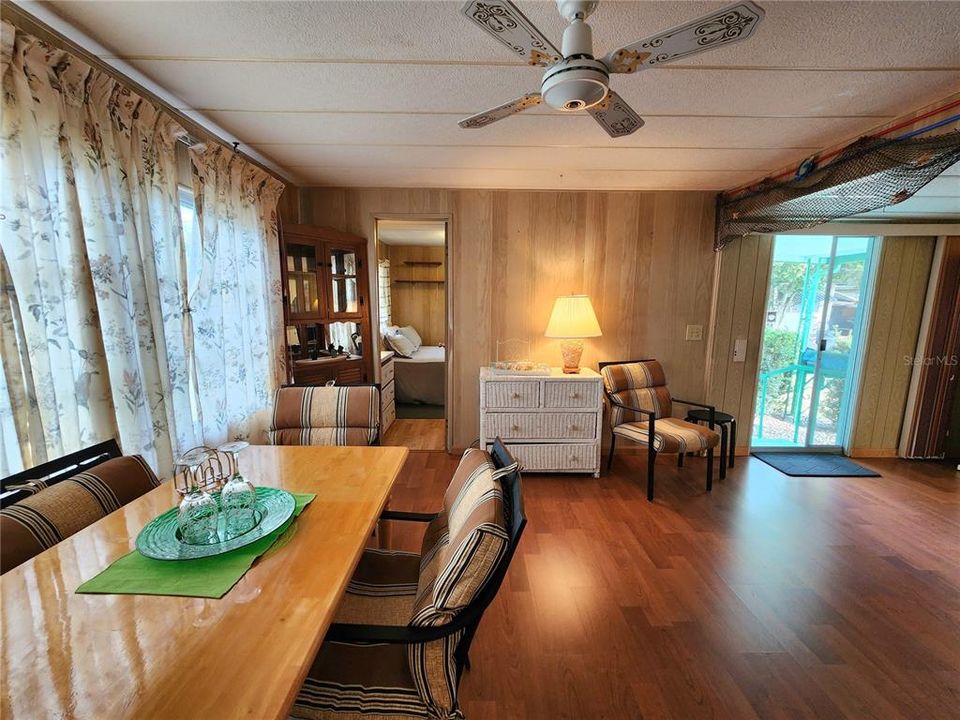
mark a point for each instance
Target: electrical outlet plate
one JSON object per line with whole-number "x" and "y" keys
{"x": 740, "y": 350}
{"x": 694, "y": 332}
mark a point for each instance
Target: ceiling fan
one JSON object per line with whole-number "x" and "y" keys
{"x": 574, "y": 80}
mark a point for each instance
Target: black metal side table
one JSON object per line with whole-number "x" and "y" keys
{"x": 728, "y": 438}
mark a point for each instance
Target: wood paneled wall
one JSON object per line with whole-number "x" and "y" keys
{"x": 903, "y": 273}
{"x": 741, "y": 309}
{"x": 645, "y": 259}
{"x": 420, "y": 304}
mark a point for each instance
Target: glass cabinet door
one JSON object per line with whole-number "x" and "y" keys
{"x": 303, "y": 287}
{"x": 344, "y": 289}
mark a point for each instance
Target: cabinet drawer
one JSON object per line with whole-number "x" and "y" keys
{"x": 541, "y": 426}
{"x": 388, "y": 415}
{"x": 386, "y": 372}
{"x": 515, "y": 394}
{"x": 556, "y": 457}
{"x": 571, "y": 394}
{"x": 386, "y": 395}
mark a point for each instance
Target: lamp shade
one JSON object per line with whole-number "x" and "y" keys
{"x": 293, "y": 337}
{"x": 573, "y": 317}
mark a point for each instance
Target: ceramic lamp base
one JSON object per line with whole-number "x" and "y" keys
{"x": 571, "y": 351}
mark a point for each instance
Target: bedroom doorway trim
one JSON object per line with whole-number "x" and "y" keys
{"x": 450, "y": 407}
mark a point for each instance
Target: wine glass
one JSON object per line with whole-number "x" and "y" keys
{"x": 238, "y": 498}
{"x": 198, "y": 514}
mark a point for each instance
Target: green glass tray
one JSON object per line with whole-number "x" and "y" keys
{"x": 160, "y": 539}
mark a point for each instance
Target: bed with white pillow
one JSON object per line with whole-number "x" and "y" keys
{"x": 419, "y": 374}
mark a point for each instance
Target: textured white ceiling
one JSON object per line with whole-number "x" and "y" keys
{"x": 368, "y": 93}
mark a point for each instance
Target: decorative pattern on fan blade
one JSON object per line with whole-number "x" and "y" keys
{"x": 615, "y": 116}
{"x": 501, "y": 111}
{"x": 732, "y": 24}
{"x": 504, "y": 21}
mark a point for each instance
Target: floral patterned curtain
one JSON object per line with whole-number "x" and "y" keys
{"x": 99, "y": 338}
{"x": 92, "y": 253}
{"x": 236, "y": 311}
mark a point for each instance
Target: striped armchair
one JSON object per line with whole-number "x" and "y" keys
{"x": 326, "y": 415}
{"x": 641, "y": 410}
{"x": 401, "y": 636}
{"x": 52, "y": 513}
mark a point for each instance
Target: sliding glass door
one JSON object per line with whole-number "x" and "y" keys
{"x": 812, "y": 337}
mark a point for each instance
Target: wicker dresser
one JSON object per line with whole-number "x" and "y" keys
{"x": 550, "y": 424}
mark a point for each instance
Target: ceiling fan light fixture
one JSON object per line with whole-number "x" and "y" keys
{"x": 575, "y": 85}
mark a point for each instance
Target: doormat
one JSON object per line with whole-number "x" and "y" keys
{"x": 419, "y": 412}
{"x": 814, "y": 465}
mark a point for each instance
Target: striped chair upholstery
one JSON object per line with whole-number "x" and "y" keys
{"x": 40, "y": 521}
{"x": 644, "y": 385}
{"x": 639, "y": 384}
{"x": 670, "y": 435}
{"x": 460, "y": 550}
{"x": 338, "y": 415}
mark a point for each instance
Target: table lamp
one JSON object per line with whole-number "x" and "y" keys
{"x": 571, "y": 320}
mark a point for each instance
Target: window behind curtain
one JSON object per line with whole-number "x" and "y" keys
{"x": 193, "y": 251}
{"x": 383, "y": 282}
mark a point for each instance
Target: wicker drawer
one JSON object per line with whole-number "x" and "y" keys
{"x": 541, "y": 426}
{"x": 386, "y": 372}
{"x": 386, "y": 395}
{"x": 571, "y": 394}
{"x": 556, "y": 457}
{"x": 389, "y": 414}
{"x": 512, "y": 394}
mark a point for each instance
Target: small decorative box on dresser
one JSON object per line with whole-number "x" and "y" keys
{"x": 550, "y": 423}
{"x": 388, "y": 410}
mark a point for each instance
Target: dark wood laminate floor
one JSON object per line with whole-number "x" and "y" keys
{"x": 773, "y": 597}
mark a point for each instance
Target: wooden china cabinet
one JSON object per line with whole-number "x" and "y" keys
{"x": 326, "y": 305}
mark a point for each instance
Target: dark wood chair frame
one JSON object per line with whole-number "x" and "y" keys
{"x": 54, "y": 471}
{"x": 651, "y": 452}
{"x": 378, "y": 438}
{"x": 469, "y": 618}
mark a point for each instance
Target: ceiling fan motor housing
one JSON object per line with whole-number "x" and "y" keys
{"x": 574, "y": 84}
{"x": 578, "y": 81}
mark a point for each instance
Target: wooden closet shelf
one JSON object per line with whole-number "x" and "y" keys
{"x": 430, "y": 263}
{"x": 437, "y": 282}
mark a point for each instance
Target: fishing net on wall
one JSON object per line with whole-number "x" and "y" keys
{"x": 870, "y": 174}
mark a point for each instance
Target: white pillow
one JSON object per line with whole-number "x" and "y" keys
{"x": 400, "y": 345}
{"x": 412, "y": 335}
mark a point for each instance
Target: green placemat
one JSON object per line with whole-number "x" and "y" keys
{"x": 210, "y": 577}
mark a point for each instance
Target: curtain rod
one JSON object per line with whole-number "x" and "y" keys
{"x": 25, "y": 21}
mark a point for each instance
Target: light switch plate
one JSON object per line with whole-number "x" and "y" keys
{"x": 740, "y": 350}
{"x": 694, "y": 332}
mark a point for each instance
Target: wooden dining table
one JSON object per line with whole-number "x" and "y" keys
{"x": 245, "y": 655}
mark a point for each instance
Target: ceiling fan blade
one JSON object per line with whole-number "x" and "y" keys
{"x": 723, "y": 27}
{"x": 615, "y": 116}
{"x": 504, "y": 21}
{"x": 501, "y": 111}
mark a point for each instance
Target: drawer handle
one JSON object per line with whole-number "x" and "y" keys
{"x": 576, "y": 396}
{"x": 575, "y": 428}
{"x": 516, "y": 396}
{"x": 515, "y": 428}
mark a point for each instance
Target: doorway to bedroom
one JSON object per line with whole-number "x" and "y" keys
{"x": 412, "y": 295}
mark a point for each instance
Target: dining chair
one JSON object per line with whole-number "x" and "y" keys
{"x": 401, "y": 637}
{"x": 325, "y": 415}
{"x": 641, "y": 409}
{"x": 50, "y": 513}
{"x": 32, "y": 480}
